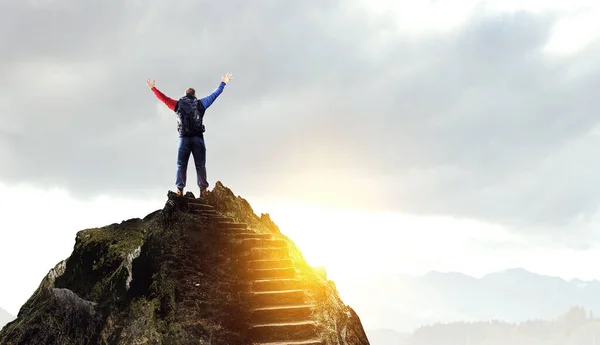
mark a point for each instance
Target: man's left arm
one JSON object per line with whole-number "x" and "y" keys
{"x": 208, "y": 100}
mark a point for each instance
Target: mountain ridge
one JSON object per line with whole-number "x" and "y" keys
{"x": 404, "y": 302}
{"x": 510, "y": 270}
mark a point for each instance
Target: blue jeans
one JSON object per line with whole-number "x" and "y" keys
{"x": 195, "y": 146}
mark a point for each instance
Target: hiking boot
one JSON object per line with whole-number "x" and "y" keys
{"x": 179, "y": 192}
{"x": 203, "y": 192}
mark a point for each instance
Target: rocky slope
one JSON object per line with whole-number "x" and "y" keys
{"x": 210, "y": 272}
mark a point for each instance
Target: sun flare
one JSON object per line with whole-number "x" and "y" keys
{"x": 346, "y": 242}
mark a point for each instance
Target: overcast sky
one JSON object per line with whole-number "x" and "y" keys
{"x": 480, "y": 115}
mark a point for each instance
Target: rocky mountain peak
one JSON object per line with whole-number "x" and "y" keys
{"x": 196, "y": 271}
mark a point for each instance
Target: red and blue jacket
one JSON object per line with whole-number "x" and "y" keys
{"x": 206, "y": 101}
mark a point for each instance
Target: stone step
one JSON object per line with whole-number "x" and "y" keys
{"x": 295, "y": 342}
{"x": 268, "y": 253}
{"x": 217, "y": 216}
{"x": 236, "y": 232}
{"x": 270, "y": 263}
{"x": 276, "y": 285}
{"x": 263, "y": 243}
{"x": 200, "y": 207}
{"x": 278, "y": 298}
{"x": 271, "y": 273}
{"x": 249, "y": 234}
{"x": 282, "y": 314}
{"x": 232, "y": 225}
{"x": 217, "y": 219}
{"x": 282, "y": 331}
{"x": 209, "y": 213}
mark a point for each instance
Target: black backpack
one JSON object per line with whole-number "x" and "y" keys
{"x": 189, "y": 116}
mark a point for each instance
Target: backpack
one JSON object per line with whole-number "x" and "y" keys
{"x": 189, "y": 116}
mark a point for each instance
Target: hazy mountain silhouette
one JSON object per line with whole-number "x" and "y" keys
{"x": 575, "y": 327}
{"x": 386, "y": 336}
{"x": 5, "y": 317}
{"x": 513, "y": 295}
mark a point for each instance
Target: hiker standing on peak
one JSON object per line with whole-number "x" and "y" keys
{"x": 190, "y": 112}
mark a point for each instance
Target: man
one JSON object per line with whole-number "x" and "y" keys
{"x": 190, "y": 112}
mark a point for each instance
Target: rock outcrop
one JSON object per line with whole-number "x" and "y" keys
{"x": 194, "y": 272}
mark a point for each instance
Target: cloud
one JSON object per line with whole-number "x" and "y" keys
{"x": 344, "y": 103}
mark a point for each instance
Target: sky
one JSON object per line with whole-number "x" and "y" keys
{"x": 381, "y": 136}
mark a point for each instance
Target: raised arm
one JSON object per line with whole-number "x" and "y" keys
{"x": 208, "y": 100}
{"x": 169, "y": 102}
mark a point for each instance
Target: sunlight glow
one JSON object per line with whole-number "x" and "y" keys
{"x": 345, "y": 241}
{"x": 354, "y": 242}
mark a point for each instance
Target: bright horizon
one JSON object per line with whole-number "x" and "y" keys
{"x": 346, "y": 242}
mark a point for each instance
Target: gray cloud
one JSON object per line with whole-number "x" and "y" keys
{"x": 474, "y": 123}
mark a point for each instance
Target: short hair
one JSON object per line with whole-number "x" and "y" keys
{"x": 190, "y": 91}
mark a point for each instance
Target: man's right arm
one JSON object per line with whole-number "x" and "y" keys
{"x": 169, "y": 102}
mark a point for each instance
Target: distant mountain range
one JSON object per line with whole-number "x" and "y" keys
{"x": 574, "y": 327}
{"x": 5, "y": 318}
{"x": 404, "y": 303}
{"x": 387, "y": 337}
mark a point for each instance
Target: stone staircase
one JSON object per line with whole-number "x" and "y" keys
{"x": 280, "y": 313}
